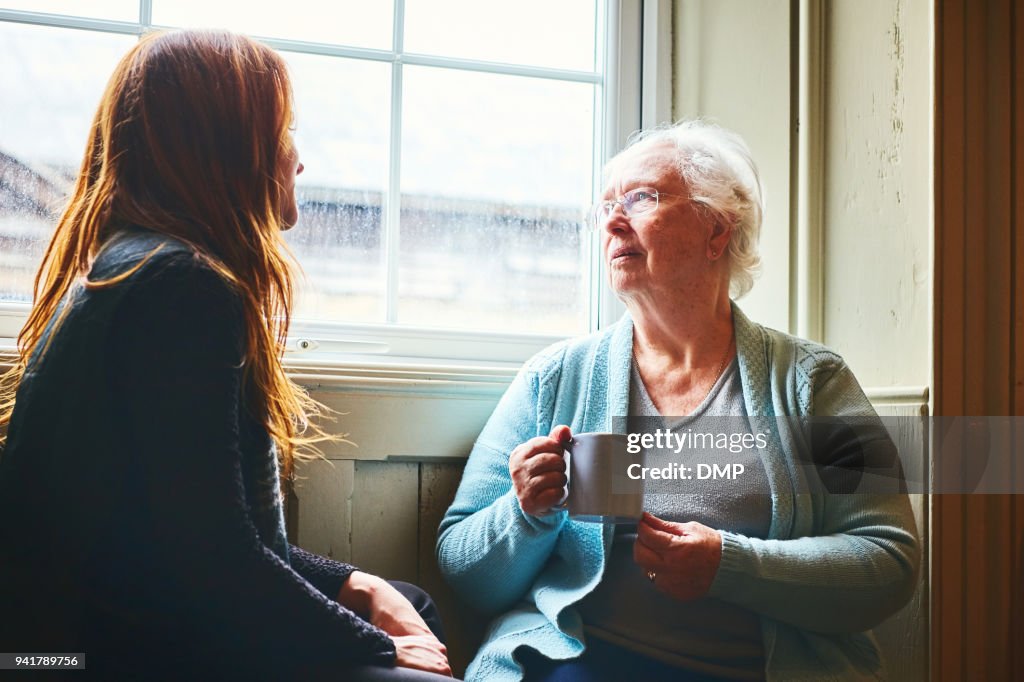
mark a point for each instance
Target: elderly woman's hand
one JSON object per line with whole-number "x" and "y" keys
{"x": 680, "y": 558}
{"x": 537, "y": 468}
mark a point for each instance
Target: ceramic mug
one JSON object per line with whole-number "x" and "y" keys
{"x": 599, "y": 488}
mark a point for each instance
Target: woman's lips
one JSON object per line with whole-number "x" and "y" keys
{"x": 624, "y": 252}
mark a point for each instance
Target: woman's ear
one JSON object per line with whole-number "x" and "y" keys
{"x": 718, "y": 240}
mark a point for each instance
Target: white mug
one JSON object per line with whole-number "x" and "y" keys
{"x": 599, "y": 488}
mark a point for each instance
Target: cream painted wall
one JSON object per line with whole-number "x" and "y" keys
{"x": 734, "y": 63}
{"x": 877, "y": 202}
{"x": 732, "y": 66}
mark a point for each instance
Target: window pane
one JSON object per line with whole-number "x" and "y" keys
{"x": 118, "y": 10}
{"x": 494, "y": 187}
{"x": 342, "y": 119}
{"x": 52, "y": 81}
{"x": 344, "y": 22}
{"x": 535, "y": 32}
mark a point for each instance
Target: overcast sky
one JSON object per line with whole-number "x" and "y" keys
{"x": 474, "y": 135}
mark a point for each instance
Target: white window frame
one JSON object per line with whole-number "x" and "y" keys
{"x": 636, "y": 72}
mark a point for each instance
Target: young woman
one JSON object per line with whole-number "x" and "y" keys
{"x": 148, "y": 418}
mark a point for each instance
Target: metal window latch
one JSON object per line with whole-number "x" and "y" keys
{"x": 301, "y": 345}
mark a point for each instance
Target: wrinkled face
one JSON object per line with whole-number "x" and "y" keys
{"x": 290, "y": 168}
{"x": 659, "y": 251}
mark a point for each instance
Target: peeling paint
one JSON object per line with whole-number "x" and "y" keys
{"x": 897, "y": 55}
{"x": 921, "y": 272}
{"x": 877, "y": 268}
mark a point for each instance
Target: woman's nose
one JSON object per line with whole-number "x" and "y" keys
{"x": 617, "y": 219}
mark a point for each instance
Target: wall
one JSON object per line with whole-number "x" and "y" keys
{"x": 732, "y": 66}
{"x": 978, "y": 541}
{"x": 377, "y": 500}
{"x": 877, "y": 191}
{"x": 382, "y": 517}
{"x": 738, "y": 63}
{"x": 876, "y": 210}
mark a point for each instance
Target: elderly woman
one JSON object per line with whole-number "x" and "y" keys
{"x": 743, "y": 582}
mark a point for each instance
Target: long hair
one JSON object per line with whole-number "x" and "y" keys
{"x": 188, "y": 141}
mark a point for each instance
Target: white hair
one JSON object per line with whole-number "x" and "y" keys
{"x": 722, "y": 178}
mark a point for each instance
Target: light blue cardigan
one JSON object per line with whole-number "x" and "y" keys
{"x": 832, "y": 567}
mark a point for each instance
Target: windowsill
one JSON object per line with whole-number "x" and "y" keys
{"x": 332, "y": 372}
{"x": 328, "y": 354}
{"x": 326, "y": 372}
{"x": 409, "y": 409}
{"x": 393, "y": 409}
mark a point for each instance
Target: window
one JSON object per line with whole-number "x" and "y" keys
{"x": 451, "y": 148}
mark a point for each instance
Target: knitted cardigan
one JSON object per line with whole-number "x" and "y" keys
{"x": 832, "y": 567}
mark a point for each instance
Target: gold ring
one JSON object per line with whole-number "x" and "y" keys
{"x": 651, "y": 575}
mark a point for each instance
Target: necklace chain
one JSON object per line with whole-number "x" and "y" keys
{"x": 721, "y": 368}
{"x": 718, "y": 374}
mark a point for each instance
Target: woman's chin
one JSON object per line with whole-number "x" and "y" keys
{"x": 623, "y": 284}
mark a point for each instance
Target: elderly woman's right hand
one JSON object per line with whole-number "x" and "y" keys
{"x": 537, "y": 468}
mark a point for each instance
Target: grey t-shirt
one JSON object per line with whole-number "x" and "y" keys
{"x": 707, "y": 635}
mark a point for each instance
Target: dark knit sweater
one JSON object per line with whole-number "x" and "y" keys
{"x": 140, "y": 518}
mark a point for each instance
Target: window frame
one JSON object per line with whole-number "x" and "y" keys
{"x": 634, "y": 84}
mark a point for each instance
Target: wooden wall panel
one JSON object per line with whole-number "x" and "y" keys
{"x": 1017, "y": 209}
{"x": 1016, "y": 123}
{"x": 977, "y": 565}
{"x": 385, "y": 519}
{"x": 464, "y": 626}
{"x": 904, "y": 637}
{"x": 1016, "y": 600}
{"x": 322, "y": 512}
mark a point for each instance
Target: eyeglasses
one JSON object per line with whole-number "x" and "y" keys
{"x": 634, "y": 202}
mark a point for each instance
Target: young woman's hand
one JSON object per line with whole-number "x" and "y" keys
{"x": 422, "y": 652}
{"x": 375, "y": 600}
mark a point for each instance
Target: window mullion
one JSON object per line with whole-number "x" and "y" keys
{"x": 591, "y": 255}
{"x": 622, "y": 69}
{"x": 392, "y": 221}
{"x": 461, "y": 64}
{"x": 146, "y": 14}
{"x": 65, "y": 21}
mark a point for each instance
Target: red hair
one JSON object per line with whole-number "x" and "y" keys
{"x": 189, "y": 140}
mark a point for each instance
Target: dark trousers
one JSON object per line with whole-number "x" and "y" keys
{"x": 428, "y": 612}
{"x": 602, "y": 662}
